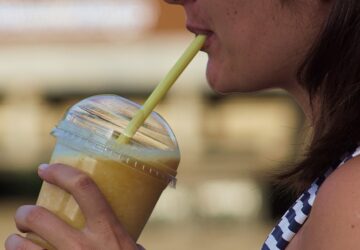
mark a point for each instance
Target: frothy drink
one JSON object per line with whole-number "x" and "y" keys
{"x": 131, "y": 177}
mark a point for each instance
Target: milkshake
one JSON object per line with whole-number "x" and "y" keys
{"x": 131, "y": 176}
{"x": 128, "y": 150}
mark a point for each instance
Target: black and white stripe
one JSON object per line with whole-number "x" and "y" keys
{"x": 297, "y": 214}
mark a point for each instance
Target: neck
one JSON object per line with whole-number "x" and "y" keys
{"x": 303, "y": 99}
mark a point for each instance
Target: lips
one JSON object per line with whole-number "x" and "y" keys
{"x": 198, "y": 30}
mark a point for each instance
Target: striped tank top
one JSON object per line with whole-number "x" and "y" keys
{"x": 296, "y": 215}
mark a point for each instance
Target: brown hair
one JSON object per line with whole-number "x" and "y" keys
{"x": 331, "y": 72}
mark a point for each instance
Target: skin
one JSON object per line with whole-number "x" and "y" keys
{"x": 102, "y": 227}
{"x": 253, "y": 45}
{"x": 256, "y": 45}
{"x": 334, "y": 222}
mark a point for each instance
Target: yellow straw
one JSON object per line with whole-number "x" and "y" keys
{"x": 162, "y": 88}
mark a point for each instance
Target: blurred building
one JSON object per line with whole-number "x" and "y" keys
{"x": 54, "y": 53}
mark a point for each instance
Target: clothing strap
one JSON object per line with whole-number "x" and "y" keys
{"x": 296, "y": 215}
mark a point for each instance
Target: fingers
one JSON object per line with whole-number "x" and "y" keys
{"x": 45, "y": 224}
{"x": 14, "y": 242}
{"x": 90, "y": 199}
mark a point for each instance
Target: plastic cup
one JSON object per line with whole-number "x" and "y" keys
{"x": 131, "y": 176}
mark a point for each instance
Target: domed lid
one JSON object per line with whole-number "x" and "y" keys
{"x": 94, "y": 124}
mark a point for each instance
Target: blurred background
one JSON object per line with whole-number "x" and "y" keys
{"x": 55, "y": 53}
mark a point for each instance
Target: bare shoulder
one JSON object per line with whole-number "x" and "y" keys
{"x": 334, "y": 222}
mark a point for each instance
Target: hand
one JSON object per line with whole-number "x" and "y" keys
{"x": 102, "y": 229}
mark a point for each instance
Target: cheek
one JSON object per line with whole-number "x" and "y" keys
{"x": 253, "y": 61}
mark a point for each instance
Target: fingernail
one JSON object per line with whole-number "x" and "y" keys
{"x": 43, "y": 167}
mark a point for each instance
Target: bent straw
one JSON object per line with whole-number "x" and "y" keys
{"x": 162, "y": 88}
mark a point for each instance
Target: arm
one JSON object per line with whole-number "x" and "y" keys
{"x": 334, "y": 222}
{"x": 102, "y": 227}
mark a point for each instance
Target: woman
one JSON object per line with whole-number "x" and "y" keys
{"x": 310, "y": 48}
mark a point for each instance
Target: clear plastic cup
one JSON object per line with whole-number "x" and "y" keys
{"x": 132, "y": 176}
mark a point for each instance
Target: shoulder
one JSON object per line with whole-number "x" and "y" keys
{"x": 334, "y": 222}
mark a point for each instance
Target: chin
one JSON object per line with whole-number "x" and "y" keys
{"x": 227, "y": 85}
{"x": 224, "y": 85}
{"x": 216, "y": 82}
{"x": 220, "y": 88}
{"x": 223, "y": 81}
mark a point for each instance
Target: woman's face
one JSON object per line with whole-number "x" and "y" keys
{"x": 254, "y": 44}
